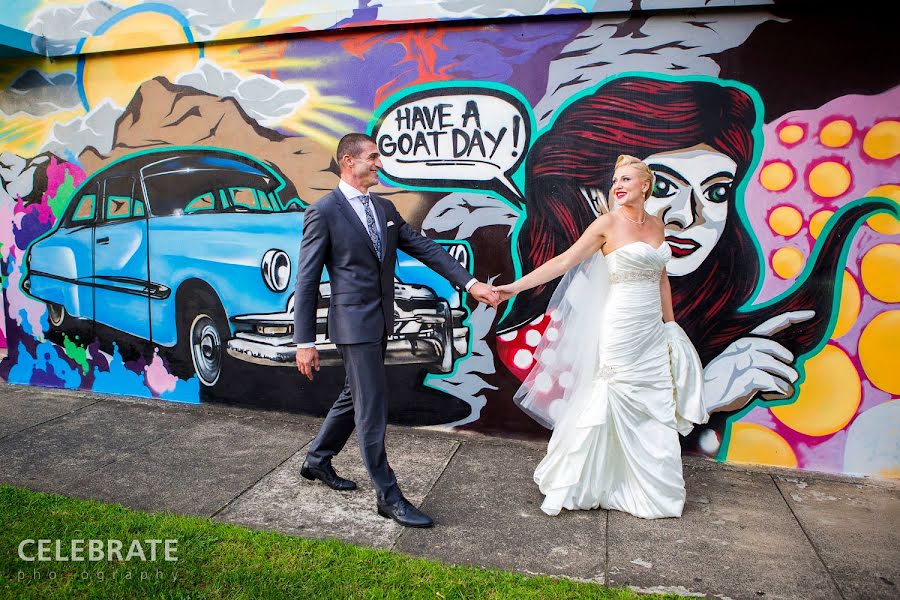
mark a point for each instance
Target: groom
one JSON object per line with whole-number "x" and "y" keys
{"x": 356, "y": 236}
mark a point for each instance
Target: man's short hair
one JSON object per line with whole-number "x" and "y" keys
{"x": 352, "y": 144}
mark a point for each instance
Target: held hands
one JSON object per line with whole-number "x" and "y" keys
{"x": 505, "y": 292}
{"x": 307, "y": 361}
{"x": 484, "y": 293}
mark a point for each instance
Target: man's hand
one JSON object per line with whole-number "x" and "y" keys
{"x": 483, "y": 293}
{"x": 308, "y": 361}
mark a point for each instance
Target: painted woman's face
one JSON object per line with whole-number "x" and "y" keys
{"x": 692, "y": 195}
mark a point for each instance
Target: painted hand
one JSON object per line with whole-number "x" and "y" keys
{"x": 751, "y": 366}
{"x": 483, "y": 293}
{"x": 307, "y": 361}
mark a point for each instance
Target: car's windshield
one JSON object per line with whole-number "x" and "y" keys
{"x": 206, "y": 191}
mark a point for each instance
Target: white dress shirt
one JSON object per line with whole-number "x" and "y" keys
{"x": 354, "y": 197}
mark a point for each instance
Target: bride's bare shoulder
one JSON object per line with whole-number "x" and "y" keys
{"x": 599, "y": 227}
{"x": 603, "y": 222}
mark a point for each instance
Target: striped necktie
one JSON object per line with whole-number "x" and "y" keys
{"x": 371, "y": 228}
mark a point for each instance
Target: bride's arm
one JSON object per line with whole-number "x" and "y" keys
{"x": 584, "y": 247}
{"x": 665, "y": 294}
{"x": 665, "y": 288}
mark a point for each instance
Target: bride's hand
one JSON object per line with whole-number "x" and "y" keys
{"x": 506, "y": 291}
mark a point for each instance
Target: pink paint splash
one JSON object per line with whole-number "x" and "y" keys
{"x": 56, "y": 176}
{"x": 41, "y": 209}
{"x": 157, "y": 378}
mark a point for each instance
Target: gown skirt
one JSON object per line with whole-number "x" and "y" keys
{"x": 617, "y": 446}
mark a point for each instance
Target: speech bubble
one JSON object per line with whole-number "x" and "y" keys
{"x": 461, "y": 136}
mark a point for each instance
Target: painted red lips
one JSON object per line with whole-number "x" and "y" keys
{"x": 681, "y": 247}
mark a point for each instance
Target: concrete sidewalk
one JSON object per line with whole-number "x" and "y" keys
{"x": 745, "y": 533}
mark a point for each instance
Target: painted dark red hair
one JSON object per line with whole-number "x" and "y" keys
{"x": 643, "y": 116}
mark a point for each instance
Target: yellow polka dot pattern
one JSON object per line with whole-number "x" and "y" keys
{"x": 755, "y": 444}
{"x": 880, "y": 270}
{"x": 785, "y": 220}
{"x": 787, "y": 262}
{"x": 791, "y": 134}
{"x": 828, "y": 397}
{"x": 885, "y": 223}
{"x": 818, "y": 222}
{"x": 776, "y": 176}
{"x": 882, "y": 141}
{"x": 879, "y": 351}
{"x": 836, "y": 134}
{"x": 829, "y": 179}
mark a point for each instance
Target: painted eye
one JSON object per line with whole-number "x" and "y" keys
{"x": 718, "y": 192}
{"x": 663, "y": 187}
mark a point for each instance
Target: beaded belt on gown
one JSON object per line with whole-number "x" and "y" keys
{"x": 633, "y": 275}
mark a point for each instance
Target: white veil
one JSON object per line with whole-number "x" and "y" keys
{"x": 566, "y": 357}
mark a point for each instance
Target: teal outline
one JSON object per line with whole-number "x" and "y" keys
{"x": 800, "y": 361}
{"x": 80, "y": 200}
{"x": 396, "y": 97}
{"x": 127, "y": 215}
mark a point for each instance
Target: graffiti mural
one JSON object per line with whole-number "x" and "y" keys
{"x": 58, "y": 28}
{"x": 153, "y": 204}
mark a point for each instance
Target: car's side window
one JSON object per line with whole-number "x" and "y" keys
{"x": 202, "y": 202}
{"x": 118, "y": 207}
{"x": 86, "y": 209}
{"x": 243, "y": 196}
{"x": 263, "y": 200}
{"x": 119, "y": 201}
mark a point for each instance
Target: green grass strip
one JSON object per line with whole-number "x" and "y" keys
{"x": 217, "y": 560}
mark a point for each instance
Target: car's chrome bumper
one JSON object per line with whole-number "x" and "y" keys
{"x": 428, "y": 337}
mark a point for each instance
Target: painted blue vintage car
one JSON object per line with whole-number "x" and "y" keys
{"x": 191, "y": 249}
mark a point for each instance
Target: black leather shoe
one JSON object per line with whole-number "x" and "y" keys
{"x": 326, "y": 475}
{"x": 404, "y": 513}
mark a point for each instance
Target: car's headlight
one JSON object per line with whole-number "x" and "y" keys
{"x": 276, "y": 270}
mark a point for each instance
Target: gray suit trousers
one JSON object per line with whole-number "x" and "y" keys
{"x": 361, "y": 404}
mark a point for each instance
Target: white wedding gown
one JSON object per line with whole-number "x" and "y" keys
{"x": 615, "y": 444}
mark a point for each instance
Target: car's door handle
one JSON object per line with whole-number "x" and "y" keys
{"x": 103, "y": 240}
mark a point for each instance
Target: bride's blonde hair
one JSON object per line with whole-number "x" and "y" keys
{"x": 625, "y": 160}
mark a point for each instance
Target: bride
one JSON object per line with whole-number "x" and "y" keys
{"x": 616, "y": 378}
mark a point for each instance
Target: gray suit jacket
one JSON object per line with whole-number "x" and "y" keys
{"x": 362, "y": 288}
